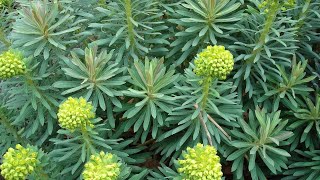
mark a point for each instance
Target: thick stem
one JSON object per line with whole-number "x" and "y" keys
{"x": 214, "y": 122}
{"x": 271, "y": 16}
{"x": 203, "y": 124}
{"x": 87, "y": 141}
{"x": 130, "y": 25}
{"x": 205, "y": 91}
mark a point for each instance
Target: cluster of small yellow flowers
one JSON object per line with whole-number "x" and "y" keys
{"x": 11, "y": 64}
{"x": 200, "y": 162}
{"x": 102, "y": 167}
{"x": 5, "y": 3}
{"x": 215, "y": 62}
{"x": 289, "y": 4}
{"x": 267, "y": 4}
{"x": 75, "y": 113}
{"x": 19, "y": 163}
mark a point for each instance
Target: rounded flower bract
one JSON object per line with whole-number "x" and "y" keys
{"x": 200, "y": 162}
{"x": 215, "y": 62}
{"x": 103, "y": 166}
{"x": 19, "y": 163}
{"x": 11, "y": 64}
{"x": 75, "y": 113}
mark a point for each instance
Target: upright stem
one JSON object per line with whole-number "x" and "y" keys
{"x": 205, "y": 90}
{"x": 130, "y": 25}
{"x": 271, "y": 16}
{"x": 87, "y": 142}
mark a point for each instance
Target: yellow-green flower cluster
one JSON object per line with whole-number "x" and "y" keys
{"x": 11, "y": 64}
{"x": 103, "y": 166}
{"x": 5, "y": 3}
{"x": 75, "y": 113}
{"x": 215, "y": 62}
{"x": 267, "y": 4}
{"x": 200, "y": 162}
{"x": 289, "y": 4}
{"x": 19, "y": 163}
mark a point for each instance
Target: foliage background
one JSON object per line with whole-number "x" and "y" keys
{"x": 133, "y": 59}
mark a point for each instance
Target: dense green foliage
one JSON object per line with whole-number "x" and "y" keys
{"x": 160, "y": 89}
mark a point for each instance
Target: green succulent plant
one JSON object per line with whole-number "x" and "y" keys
{"x": 305, "y": 123}
{"x": 128, "y": 36}
{"x": 289, "y": 88}
{"x": 96, "y": 78}
{"x": 157, "y": 90}
{"x": 260, "y": 140}
{"x": 152, "y": 86}
{"x": 201, "y": 113}
{"x": 200, "y": 23}
{"x": 305, "y": 166}
{"x": 41, "y": 30}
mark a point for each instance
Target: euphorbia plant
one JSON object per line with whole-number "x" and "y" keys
{"x": 207, "y": 103}
{"x": 149, "y": 89}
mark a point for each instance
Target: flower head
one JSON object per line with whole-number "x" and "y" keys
{"x": 200, "y": 162}
{"x": 11, "y": 64}
{"x": 75, "y": 113}
{"x": 5, "y": 3}
{"x": 215, "y": 62}
{"x": 19, "y": 163}
{"x": 102, "y": 167}
{"x": 289, "y": 4}
{"x": 273, "y": 4}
